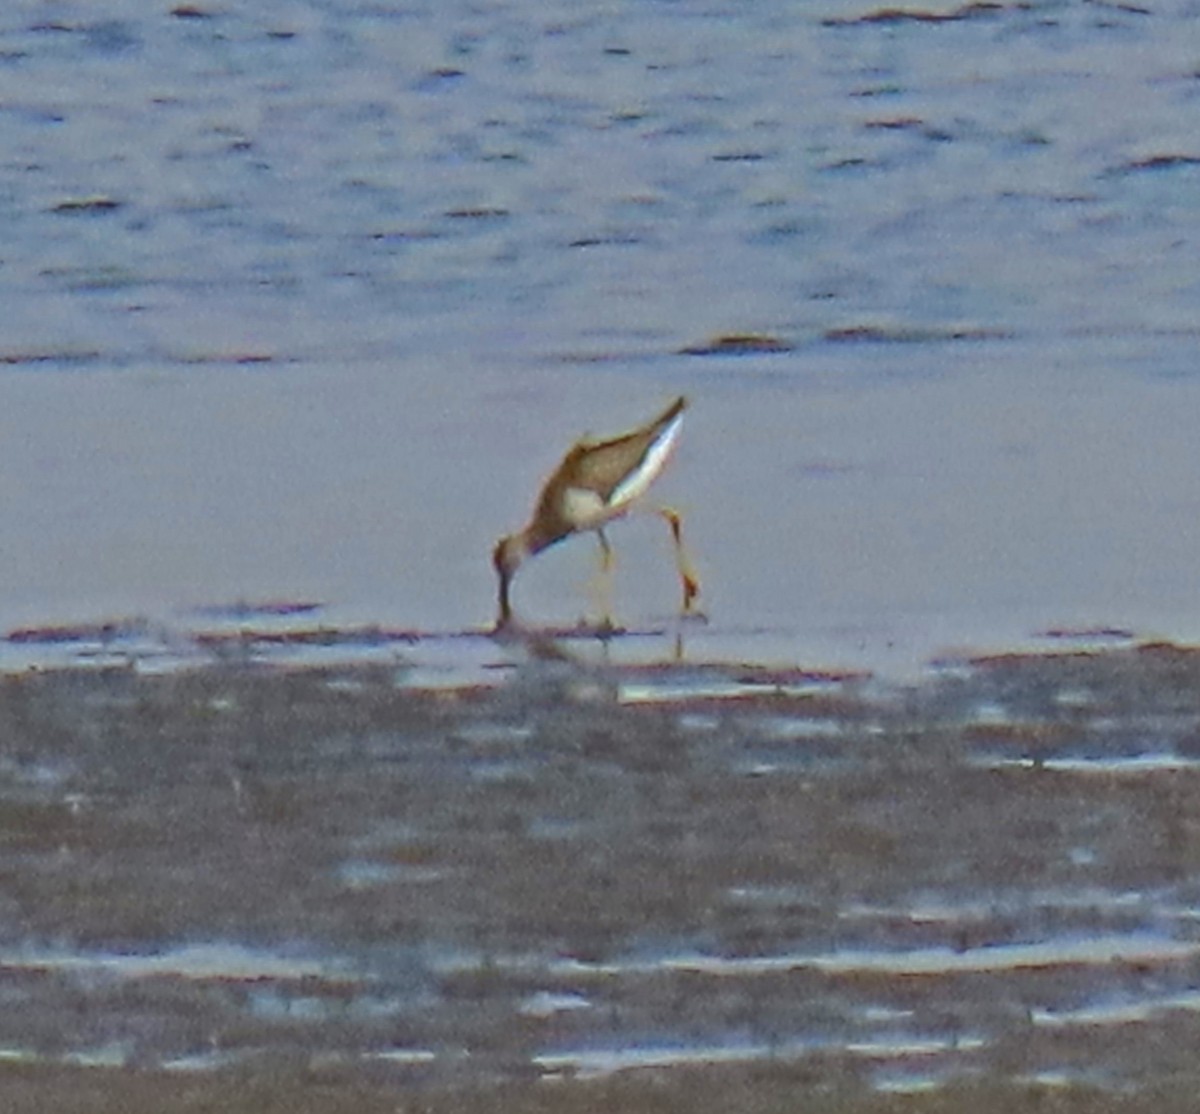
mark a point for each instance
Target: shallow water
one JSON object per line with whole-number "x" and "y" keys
{"x": 303, "y": 302}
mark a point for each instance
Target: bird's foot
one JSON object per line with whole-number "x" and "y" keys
{"x": 605, "y": 627}
{"x": 691, "y": 593}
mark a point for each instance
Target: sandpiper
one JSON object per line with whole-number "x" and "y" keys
{"x": 596, "y": 482}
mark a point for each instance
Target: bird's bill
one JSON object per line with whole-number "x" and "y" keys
{"x": 504, "y": 614}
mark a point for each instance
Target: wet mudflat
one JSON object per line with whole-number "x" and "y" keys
{"x": 598, "y": 887}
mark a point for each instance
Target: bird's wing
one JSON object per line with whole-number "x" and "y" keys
{"x": 620, "y": 469}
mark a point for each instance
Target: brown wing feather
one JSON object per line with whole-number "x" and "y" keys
{"x": 598, "y": 466}
{"x": 601, "y": 466}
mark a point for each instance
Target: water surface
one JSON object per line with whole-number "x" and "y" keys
{"x": 304, "y": 301}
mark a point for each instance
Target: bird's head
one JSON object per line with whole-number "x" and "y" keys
{"x": 510, "y": 551}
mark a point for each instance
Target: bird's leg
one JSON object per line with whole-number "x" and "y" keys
{"x": 604, "y": 581}
{"x": 688, "y": 580}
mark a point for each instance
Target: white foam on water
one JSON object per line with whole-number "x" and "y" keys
{"x": 191, "y": 961}
{"x": 1098, "y": 950}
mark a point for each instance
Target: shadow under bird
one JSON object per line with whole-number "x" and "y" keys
{"x": 598, "y": 481}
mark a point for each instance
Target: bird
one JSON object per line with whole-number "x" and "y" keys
{"x": 599, "y": 481}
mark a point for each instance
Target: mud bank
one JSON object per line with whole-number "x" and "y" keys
{"x": 634, "y": 887}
